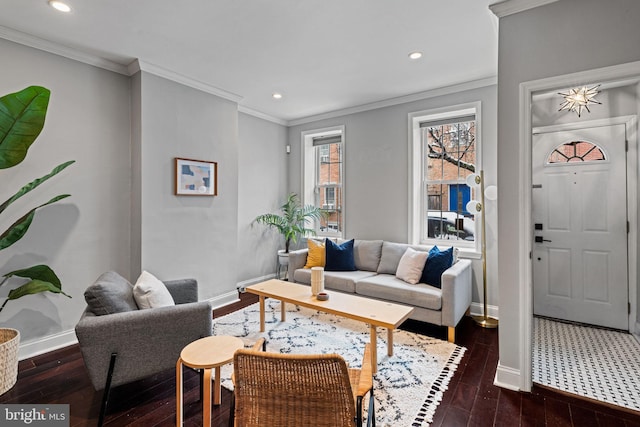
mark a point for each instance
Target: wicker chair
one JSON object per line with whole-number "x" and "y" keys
{"x": 281, "y": 390}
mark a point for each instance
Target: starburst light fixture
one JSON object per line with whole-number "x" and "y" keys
{"x": 578, "y": 98}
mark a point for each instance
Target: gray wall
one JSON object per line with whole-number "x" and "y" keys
{"x": 262, "y": 185}
{"x": 188, "y": 236}
{"x": 376, "y": 160}
{"x": 89, "y": 121}
{"x": 124, "y": 132}
{"x": 560, "y": 38}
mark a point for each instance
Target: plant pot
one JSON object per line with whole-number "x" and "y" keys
{"x": 9, "y": 340}
{"x": 283, "y": 257}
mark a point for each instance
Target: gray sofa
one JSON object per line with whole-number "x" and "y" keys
{"x": 376, "y": 262}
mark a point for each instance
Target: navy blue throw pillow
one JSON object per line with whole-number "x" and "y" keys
{"x": 339, "y": 257}
{"x": 437, "y": 262}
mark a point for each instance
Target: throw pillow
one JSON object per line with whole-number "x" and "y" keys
{"x": 316, "y": 254}
{"x": 390, "y": 257}
{"x": 411, "y": 266}
{"x": 437, "y": 262}
{"x": 366, "y": 254}
{"x": 110, "y": 293}
{"x": 339, "y": 257}
{"x": 150, "y": 292}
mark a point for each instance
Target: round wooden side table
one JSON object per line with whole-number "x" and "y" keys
{"x": 206, "y": 353}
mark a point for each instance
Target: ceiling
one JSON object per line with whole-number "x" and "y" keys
{"x": 321, "y": 55}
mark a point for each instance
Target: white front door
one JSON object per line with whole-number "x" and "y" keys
{"x": 580, "y": 226}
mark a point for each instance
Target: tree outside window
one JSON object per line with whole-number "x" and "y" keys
{"x": 449, "y": 155}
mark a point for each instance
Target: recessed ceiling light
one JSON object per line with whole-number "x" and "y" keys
{"x": 277, "y": 95}
{"x": 58, "y": 5}
{"x": 415, "y": 55}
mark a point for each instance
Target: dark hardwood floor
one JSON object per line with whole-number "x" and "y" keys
{"x": 471, "y": 400}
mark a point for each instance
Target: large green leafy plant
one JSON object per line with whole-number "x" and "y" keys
{"x": 293, "y": 221}
{"x": 22, "y": 116}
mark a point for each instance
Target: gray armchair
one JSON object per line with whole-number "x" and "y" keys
{"x": 122, "y": 344}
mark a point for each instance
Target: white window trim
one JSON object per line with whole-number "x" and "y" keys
{"x": 308, "y": 171}
{"x": 416, "y": 172}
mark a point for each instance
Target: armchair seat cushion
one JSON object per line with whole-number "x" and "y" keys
{"x": 110, "y": 293}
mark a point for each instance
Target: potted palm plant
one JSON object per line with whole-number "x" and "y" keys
{"x": 22, "y": 116}
{"x": 293, "y": 223}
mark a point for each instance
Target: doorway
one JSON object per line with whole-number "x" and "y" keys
{"x": 579, "y": 211}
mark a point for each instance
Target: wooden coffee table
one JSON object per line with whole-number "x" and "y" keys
{"x": 373, "y": 312}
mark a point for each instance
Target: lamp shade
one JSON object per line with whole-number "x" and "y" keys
{"x": 473, "y": 180}
{"x": 491, "y": 192}
{"x": 474, "y": 207}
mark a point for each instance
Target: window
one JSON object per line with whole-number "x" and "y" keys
{"x": 576, "y": 151}
{"x": 323, "y": 177}
{"x": 444, "y": 151}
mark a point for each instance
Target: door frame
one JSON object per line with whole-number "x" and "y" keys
{"x": 629, "y": 72}
{"x": 630, "y": 124}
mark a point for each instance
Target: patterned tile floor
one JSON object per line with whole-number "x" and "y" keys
{"x": 591, "y": 362}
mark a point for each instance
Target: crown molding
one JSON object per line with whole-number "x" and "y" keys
{"x": 138, "y": 65}
{"x": 446, "y": 90}
{"x": 61, "y": 50}
{"x": 509, "y": 7}
{"x": 261, "y": 115}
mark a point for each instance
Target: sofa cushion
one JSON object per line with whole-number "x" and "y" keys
{"x": 411, "y": 265}
{"x": 316, "y": 254}
{"x": 390, "y": 288}
{"x": 437, "y": 262}
{"x": 343, "y": 281}
{"x": 110, "y": 293}
{"x": 366, "y": 254}
{"x": 390, "y": 258}
{"x": 339, "y": 256}
{"x": 150, "y": 292}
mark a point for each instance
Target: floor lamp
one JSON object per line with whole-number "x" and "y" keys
{"x": 474, "y": 207}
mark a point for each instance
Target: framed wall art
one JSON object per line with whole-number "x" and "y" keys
{"x": 196, "y": 177}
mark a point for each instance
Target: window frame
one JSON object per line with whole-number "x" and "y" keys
{"x": 417, "y": 203}
{"x": 310, "y": 161}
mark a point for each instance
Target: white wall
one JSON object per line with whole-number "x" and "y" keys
{"x": 262, "y": 188}
{"x": 376, "y": 160}
{"x": 89, "y": 121}
{"x": 560, "y": 38}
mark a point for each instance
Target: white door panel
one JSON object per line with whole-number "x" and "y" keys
{"x": 580, "y": 267}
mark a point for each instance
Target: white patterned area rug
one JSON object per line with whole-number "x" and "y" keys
{"x": 591, "y": 362}
{"x": 408, "y": 385}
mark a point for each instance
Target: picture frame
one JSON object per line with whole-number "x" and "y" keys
{"x": 195, "y": 177}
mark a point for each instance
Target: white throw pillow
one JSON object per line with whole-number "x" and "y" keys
{"x": 149, "y": 292}
{"x": 411, "y": 265}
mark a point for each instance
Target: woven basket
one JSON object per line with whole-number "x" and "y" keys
{"x": 9, "y": 340}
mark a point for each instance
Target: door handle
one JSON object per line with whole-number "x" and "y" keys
{"x": 539, "y": 239}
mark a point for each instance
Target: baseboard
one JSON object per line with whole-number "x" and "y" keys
{"x": 506, "y": 377}
{"x": 242, "y": 285}
{"x": 224, "y": 299}
{"x": 477, "y": 309}
{"x": 47, "y": 344}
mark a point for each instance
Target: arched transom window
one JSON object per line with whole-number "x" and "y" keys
{"x": 576, "y": 151}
